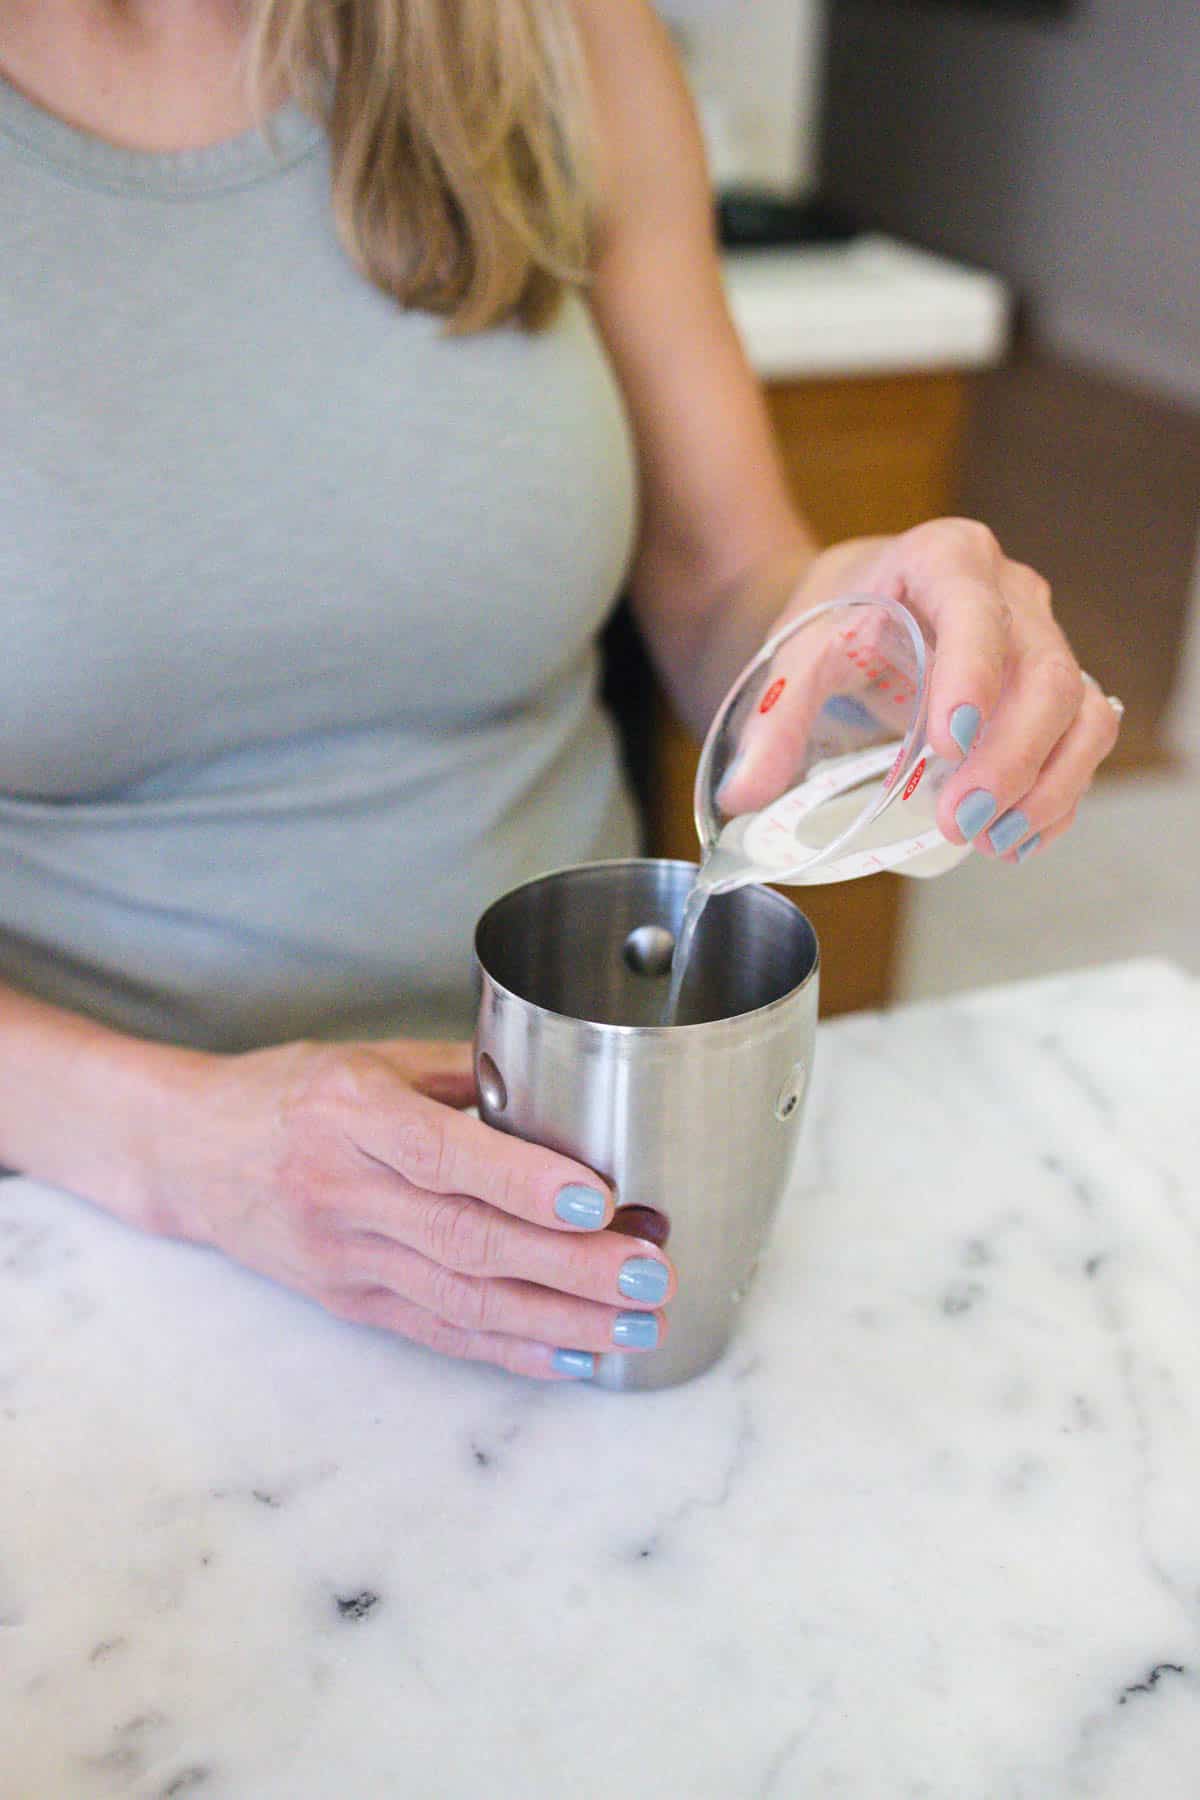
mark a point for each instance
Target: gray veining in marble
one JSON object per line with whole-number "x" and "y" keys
{"x": 931, "y": 1531}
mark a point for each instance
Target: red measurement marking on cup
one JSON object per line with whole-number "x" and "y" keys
{"x": 772, "y": 694}
{"x": 895, "y": 768}
{"x": 914, "y": 780}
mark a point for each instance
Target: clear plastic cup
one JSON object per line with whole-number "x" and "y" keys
{"x": 817, "y": 767}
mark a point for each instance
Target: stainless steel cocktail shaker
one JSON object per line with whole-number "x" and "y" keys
{"x": 697, "y": 1120}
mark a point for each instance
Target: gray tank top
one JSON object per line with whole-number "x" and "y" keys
{"x": 299, "y": 600}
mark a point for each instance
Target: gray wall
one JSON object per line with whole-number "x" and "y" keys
{"x": 1065, "y": 154}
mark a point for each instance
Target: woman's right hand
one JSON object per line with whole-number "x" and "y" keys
{"x": 346, "y": 1173}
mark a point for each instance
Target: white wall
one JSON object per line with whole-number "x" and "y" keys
{"x": 1065, "y": 155}
{"x": 758, "y": 62}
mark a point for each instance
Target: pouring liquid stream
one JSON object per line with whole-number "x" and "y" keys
{"x": 796, "y": 840}
{"x": 699, "y": 894}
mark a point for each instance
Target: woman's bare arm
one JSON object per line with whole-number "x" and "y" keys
{"x": 722, "y": 546}
{"x": 79, "y": 1104}
{"x": 723, "y": 551}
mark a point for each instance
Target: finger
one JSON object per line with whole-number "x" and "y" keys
{"x": 1041, "y": 700}
{"x": 841, "y": 684}
{"x": 516, "y": 1308}
{"x": 443, "y": 1071}
{"x": 1064, "y": 777}
{"x": 952, "y": 573}
{"x": 1041, "y": 840}
{"x": 446, "y": 1152}
{"x": 968, "y": 676}
{"x": 771, "y": 745}
{"x": 473, "y": 1238}
{"x": 389, "y": 1312}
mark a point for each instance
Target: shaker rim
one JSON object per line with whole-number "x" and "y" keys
{"x": 731, "y": 1024}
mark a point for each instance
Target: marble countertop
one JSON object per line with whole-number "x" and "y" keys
{"x": 931, "y": 1530}
{"x": 868, "y": 307}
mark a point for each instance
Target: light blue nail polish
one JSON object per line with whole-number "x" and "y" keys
{"x": 635, "y": 1331}
{"x": 582, "y": 1206}
{"x": 643, "y": 1278}
{"x": 579, "y": 1363}
{"x": 974, "y": 811}
{"x": 1008, "y": 831}
{"x": 964, "y": 726}
{"x": 1029, "y": 846}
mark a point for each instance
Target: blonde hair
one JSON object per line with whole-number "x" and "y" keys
{"x": 459, "y": 137}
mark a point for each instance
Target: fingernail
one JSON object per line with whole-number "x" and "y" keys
{"x": 1029, "y": 846}
{"x": 643, "y": 1278}
{"x": 579, "y": 1363}
{"x": 635, "y": 1331}
{"x": 964, "y": 726}
{"x": 973, "y": 812}
{"x": 582, "y": 1206}
{"x": 1008, "y": 831}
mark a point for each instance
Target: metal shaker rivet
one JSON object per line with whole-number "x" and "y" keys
{"x": 648, "y": 950}
{"x": 492, "y": 1090}
{"x": 792, "y": 1092}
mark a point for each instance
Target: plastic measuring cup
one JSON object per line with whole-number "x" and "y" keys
{"x": 816, "y": 767}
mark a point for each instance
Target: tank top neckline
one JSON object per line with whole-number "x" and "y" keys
{"x": 285, "y": 137}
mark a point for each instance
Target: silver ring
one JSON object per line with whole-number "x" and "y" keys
{"x": 1118, "y": 706}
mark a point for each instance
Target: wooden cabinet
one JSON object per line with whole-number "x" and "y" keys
{"x": 864, "y": 455}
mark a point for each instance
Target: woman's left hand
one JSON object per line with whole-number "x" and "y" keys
{"x": 1007, "y": 697}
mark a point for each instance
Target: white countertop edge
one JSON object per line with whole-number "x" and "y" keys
{"x": 871, "y": 306}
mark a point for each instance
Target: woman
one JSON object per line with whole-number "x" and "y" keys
{"x": 322, "y": 456}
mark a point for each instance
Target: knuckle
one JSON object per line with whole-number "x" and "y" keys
{"x": 1022, "y": 773}
{"x": 461, "y": 1235}
{"x": 998, "y": 614}
{"x": 1061, "y": 680}
{"x": 967, "y": 537}
{"x": 469, "y": 1346}
{"x": 1035, "y": 586}
{"x": 506, "y": 1187}
{"x": 982, "y": 540}
{"x": 492, "y": 1347}
{"x": 1002, "y": 612}
{"x": 421, "y": 1150}
{"x": 580, "y": 1266}
{"x": 1016, "y": 773}
{"x": 446, "y": 1339}
{"x": 463, "y": 1301}
{"x": 327, "y": 1080}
